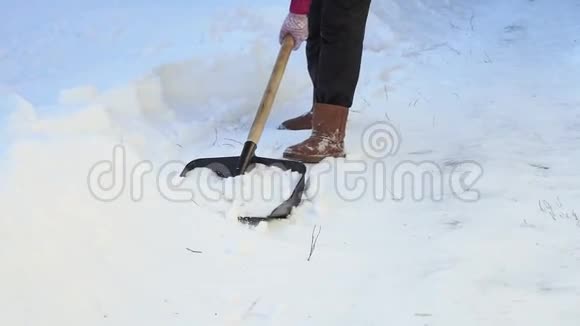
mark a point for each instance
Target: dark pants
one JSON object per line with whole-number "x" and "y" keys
{"x": 334, "y": 48}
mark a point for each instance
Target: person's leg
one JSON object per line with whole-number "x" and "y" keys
{"x": 342, "y": 32}
{"x": 313, "y": 42}
{"x": 304, "y": 121}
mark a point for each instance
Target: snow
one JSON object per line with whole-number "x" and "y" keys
{"x": 78, "y": 96}
{"x": 257, "y": 193}
{"x": 103, "y": 102}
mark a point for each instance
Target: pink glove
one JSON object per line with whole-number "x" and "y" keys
{"x": 297, "y": 26}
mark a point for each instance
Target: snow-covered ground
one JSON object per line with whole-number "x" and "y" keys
{"x": 482, "y": 97}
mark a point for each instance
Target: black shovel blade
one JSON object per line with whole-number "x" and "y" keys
{"x": 226, "y": 167}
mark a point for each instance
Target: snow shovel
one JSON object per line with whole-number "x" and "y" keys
{"x": 234, "y": 166}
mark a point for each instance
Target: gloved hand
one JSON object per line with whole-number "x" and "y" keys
{"x": 297, "y": 26}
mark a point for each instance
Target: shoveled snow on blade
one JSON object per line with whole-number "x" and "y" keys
{"x": 256, "y": 193}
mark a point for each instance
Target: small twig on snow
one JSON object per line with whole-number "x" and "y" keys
{"x": 539, "y": 166}
{"x": 249, "y": 310}
{"x": 194, "y": 251}
{"x": 471, "y": 22}
{"x": 233, "y": 140}
{"x": 414, "y": 103}
{"x": 314, "y": 240}
{"x": 453, "y": 49}
{"x": 216, "y": 137}
{"x": 559, "y": 202}
{"x": 547, "y": 208}
{"x": 366, "y": 101}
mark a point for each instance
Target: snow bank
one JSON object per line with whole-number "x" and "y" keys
{"x": 78, "y": 96}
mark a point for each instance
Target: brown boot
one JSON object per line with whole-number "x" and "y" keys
{"x": 327, "y": 139}
{"x": 303, "y": 122}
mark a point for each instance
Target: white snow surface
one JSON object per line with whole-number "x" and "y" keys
{"x": 256, "y": 193}
{"x": 103, "y": 102}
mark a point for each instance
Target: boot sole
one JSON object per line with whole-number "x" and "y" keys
{"x": 309, "y": 159}
{"x": 282, "y": 127}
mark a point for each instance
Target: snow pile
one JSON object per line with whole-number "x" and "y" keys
{"x": 254, "y": 194}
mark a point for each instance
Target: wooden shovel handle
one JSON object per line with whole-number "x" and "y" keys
{"x": 272, "y": 88}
